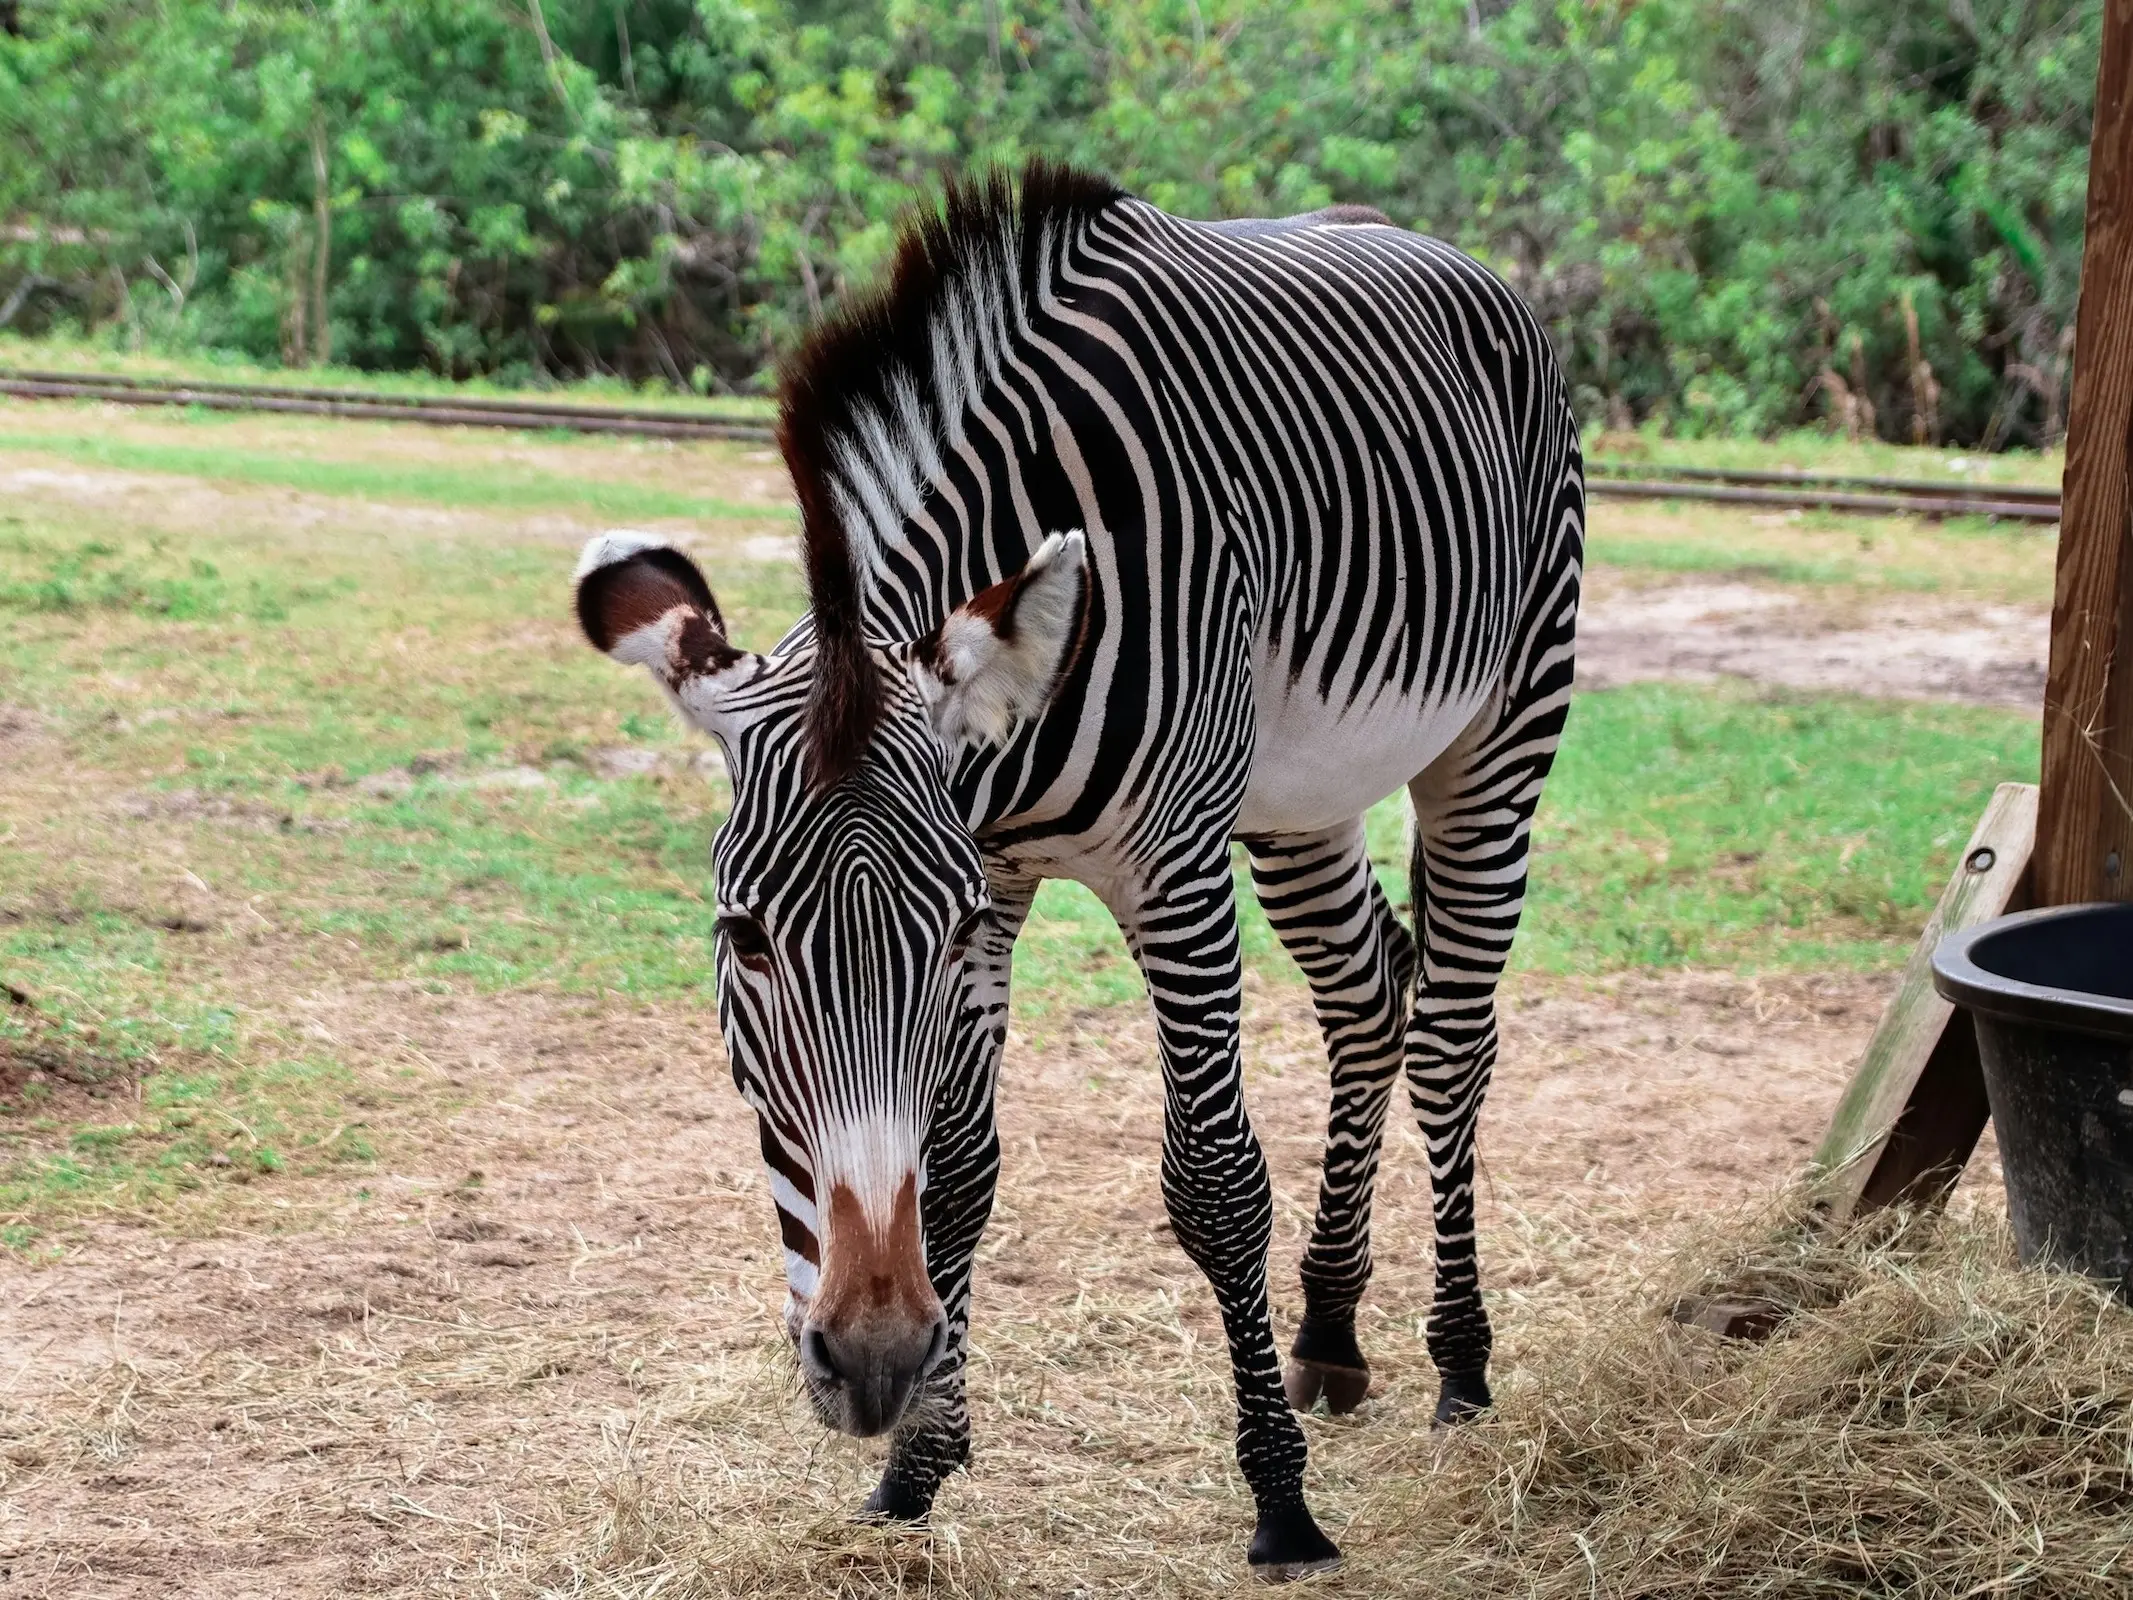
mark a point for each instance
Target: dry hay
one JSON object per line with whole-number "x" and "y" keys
{"x": 1942, "y": 1422}
{"x": 1936, "y": 1421}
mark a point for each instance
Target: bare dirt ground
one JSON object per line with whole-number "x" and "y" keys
{"x": 542, "y": 1355}
{"x": 1913, "y": 647}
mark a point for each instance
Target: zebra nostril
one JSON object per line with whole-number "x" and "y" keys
{"x": 815, "y": 1358}
{"x": 937, "y": 1349}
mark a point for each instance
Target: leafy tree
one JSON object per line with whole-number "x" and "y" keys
{"x": 1734, "y": 216}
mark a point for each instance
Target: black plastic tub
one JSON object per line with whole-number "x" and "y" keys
{"x": 2052, "y": 994}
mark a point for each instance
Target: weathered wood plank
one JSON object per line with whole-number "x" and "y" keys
{"x": 2085, "y": 820}
{"x": 1731, "y": 1318}
{"x": 1914, "y": 1109}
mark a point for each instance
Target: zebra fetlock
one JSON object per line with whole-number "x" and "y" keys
{"x": 922, "y": 1453}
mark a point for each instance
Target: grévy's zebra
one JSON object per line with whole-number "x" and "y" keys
{"x": 1128, "y": 537}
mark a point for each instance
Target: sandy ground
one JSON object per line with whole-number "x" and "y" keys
{"x": 1698, "y": 630}
{"x": 568, "y": 1281}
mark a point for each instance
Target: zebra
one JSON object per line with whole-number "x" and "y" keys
{"x": 1128, "y": 538}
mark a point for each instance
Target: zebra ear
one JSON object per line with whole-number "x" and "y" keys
{"x": 645, "y": 604}
{"x": 997, "y": 657}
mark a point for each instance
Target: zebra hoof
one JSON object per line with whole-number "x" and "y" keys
{"x": 1325, "y": 1363}
{"x": 1287, "y": 1545}
{"x": 892, "y": 1502}
{"x": 1308, "y": 1382}
{"x": 1463, "y": 1397}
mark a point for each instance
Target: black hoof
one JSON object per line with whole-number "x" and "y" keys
{"x": 1325, "y": 1363}
{"x": 1287, "y": 1545}
{"x": 892, "y": 1501}
{"x": 1308, "y": 1382}
{"x": 1464, "y": 1397}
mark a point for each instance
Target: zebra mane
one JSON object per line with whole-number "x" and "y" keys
{"x": 869, "y": 397}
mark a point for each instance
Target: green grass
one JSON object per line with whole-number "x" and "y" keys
{"x": 1730, "y": 558}
{"x": 194, "y": 1123}
{"x": 1725, "y": 556}
{"x": 1708, "y": 827}
{"x": 1962, "y": 559}
{"x": 377, "y": 753}
{"x": 487, "y": 487}
{"x": 132, "y": 1082}
{"x": 153, "y": 580}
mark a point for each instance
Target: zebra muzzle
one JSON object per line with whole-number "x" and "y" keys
{"x": 874, "y": 1328}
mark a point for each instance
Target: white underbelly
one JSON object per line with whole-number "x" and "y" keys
{"x": 1313, "y": 766}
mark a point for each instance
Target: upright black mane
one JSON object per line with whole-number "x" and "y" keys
{"x": 849, "y": 364}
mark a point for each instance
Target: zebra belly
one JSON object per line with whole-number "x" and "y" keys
{"x": 1314, "y": 765}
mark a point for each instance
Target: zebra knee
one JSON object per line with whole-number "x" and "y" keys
{"x": 1448, "y": 1073}
{"x": 1223, "y": 1234}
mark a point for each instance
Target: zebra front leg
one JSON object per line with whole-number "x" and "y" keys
{"x": 1217, "y": 1190}
{"x": 1322, "y": 896}
{"x": 962, "y": 1173}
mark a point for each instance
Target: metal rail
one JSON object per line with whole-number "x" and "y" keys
{"x": 454, "y": 411}
{"x": 1928, "y": 488}
{"x": 1951, "y": 502}
{"x": 1888, "y": 497}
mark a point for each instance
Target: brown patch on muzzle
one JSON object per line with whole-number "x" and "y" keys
{"x": 874, "y": 1327}
{"x": 874, "y": 1275}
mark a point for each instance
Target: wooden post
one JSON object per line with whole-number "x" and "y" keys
{"x": 1914, "y": 1109}
{"x": 2085, "y": 814}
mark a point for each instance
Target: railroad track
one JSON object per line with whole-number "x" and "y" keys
{"x": 1810, "y": 491}
{"x": 1604, "y": 479}
{"x": 585, "y": 417}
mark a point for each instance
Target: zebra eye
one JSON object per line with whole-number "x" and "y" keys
{"x": 746, "y": 939}
{"x": 966, "y": 933}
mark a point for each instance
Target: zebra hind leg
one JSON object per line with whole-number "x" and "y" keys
{"x": 1473, "y": 821}
{"x": 1322, "y": 896}
{"x": 962, "y": 1173}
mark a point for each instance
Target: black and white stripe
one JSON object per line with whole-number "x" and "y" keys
{"x": 1332, "y": 504}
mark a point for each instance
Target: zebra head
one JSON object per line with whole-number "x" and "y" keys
{"x": 848, "y": 901}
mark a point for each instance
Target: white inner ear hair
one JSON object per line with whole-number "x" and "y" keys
{"x": 616, "y": 544}
{"x": 988, "y": 683}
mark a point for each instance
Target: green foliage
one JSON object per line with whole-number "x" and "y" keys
{"x": 1735, "y": 216}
